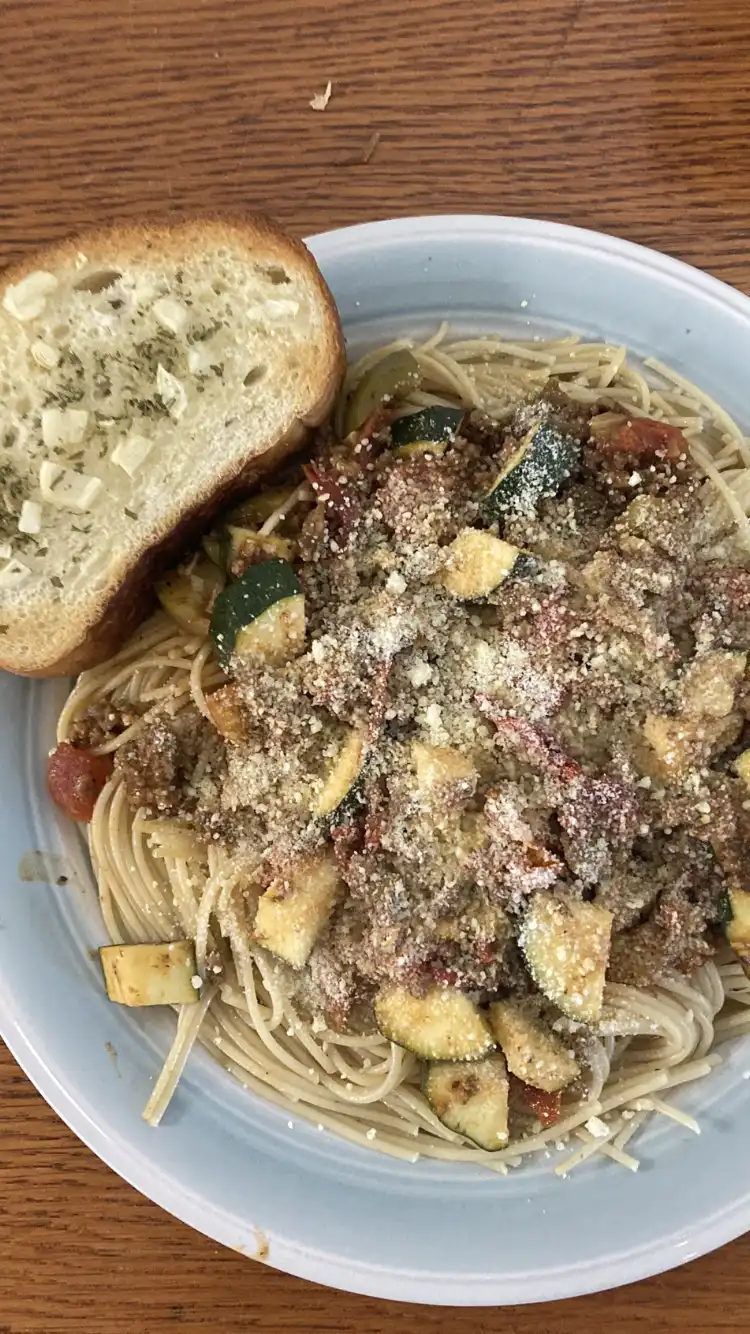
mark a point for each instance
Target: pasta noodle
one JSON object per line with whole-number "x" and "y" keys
{"x": 157, "y": 882}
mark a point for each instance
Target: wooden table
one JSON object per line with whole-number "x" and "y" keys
{"x": 629, "y": 118}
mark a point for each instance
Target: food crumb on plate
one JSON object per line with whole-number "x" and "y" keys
{"x": 263, "y": 1246}
{"x": 111, "y": 1051}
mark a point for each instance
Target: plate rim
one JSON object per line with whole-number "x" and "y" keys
{"x": 164, "y": 1187}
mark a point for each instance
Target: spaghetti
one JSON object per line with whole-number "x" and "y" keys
{"x": 157, "y": 881}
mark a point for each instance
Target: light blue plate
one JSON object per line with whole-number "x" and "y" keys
{"x": 236, "y": 1168}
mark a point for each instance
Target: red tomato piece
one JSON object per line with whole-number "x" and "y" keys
{"x": 75, "y": 777}
{"x": 646, "y": 438}
{"x": 545, "y": 1106}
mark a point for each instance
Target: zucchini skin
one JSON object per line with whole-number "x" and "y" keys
{"x": 436, "y": 426}
{"x": 247, "y": 598}
{"x": 546, "y": 458}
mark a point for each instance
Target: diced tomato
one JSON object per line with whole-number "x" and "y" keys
{"x": 545, "y": 1106}
{"x": 75, "y": 777}
{"x": 362, "y": 440}
{"x": 646, "y": 439}
{"x": 342, "y": 508}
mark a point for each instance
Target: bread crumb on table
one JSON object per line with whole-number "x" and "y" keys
{"x": 320, "y": 101}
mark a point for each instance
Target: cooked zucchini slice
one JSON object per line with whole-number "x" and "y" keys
{"x": 675, "y": 743}
{"x": 427, "y": 432}
{"x": 566, "y": 945}
{"x": 244, "y": 544}
{"x": 150, "y": 974}
{"x": 710, "y": 683}
{"x": 741, "y": 767}
{"x": 471, "y": 1099}
{"x": 476, "y": 562}
{"x": 543, "y": 462}
{"x": 386, "y": 380}
{"x": 736, "y": 917}
{"x": 442, "y": 1025}
{"x": 293, "y": 911}
{"x": 441, "y": 766}
{"x": 225, "y": 708}
{"x": 214, "y": 545}
{"x": 534, "y": 1053}
{"x": 276, "y": 635}
{"x": 344, "y": 774}
{"x": 671, "y": 743}
{"x": 188, "y": 594}
{"x": 254, "y": 511}
{"x": 260, "y": 616}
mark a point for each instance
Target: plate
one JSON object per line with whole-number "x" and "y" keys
{"x": 240, "y": 1170}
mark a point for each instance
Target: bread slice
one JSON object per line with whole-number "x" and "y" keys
{"x": 147, "y": 376}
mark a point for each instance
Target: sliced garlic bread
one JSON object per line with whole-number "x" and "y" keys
{"x": 147, "y": 376}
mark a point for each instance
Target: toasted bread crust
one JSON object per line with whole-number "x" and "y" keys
{"x": 139, "y": 242}
{"x": 111, "y": 619}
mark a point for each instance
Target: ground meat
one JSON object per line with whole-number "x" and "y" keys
{"x": 566, "y": 528}
{"x": 334, "y": 983}
{"x": 637, "y": 581}
{"x": 174, "y": 767}
{"x": 628, "y": 891}
{"x": 344, "y": 678}
{"x": 675, "y": 525}
{"x": 570, "y": 417}
{"x": 724, "y": 618}
{"x": 100, "y": 723}
{"x": 516, "y": 860}
{"x": 426, "y": 500}
{"x": 394, "y": 953}
{"x": 729, "y": 831}
{"x": 678, "y": 931}
{"x": 488, "y": 435}
{"x": 488, "y": 966}
{"x": 150, "y": 768}
{"x": 675, "y": 937}
{"x": 597, "y": 816}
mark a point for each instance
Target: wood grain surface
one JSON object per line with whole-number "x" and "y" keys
{"x": 632, "y": 118}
